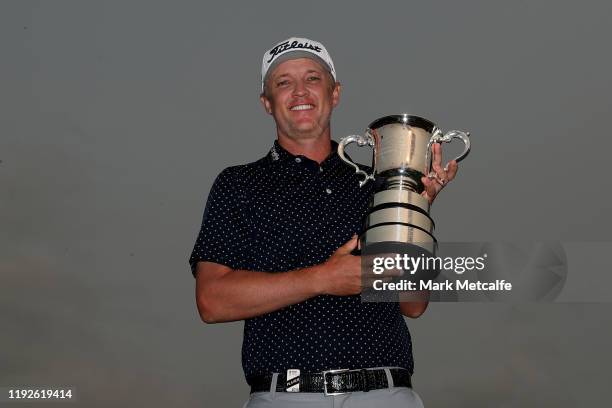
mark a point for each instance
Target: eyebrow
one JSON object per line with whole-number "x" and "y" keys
{"x": 310, "y": 71}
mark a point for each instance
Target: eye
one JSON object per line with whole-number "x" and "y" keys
{"x": 283, "y": 82}
{"x": 313, "y": 78}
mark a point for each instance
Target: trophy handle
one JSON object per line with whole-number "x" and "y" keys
{"x": 439, "y": 137}
{"x": 366, "y": 140}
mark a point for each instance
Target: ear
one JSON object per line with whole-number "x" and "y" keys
{"x": 336, "y": 94}
{"x": 266, "y": 103}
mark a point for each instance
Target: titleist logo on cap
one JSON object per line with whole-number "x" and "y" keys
{"x": 284, "y": 46}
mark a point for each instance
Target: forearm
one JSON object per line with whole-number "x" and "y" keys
{"x": 241, "y": 294}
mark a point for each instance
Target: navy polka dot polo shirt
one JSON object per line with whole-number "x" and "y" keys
{"x": 285, "y": 212}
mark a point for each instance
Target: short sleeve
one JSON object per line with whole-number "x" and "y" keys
{"x": 223, "y": 234}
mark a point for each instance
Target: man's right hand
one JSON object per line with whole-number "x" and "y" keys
{"x": 346, "y": 274}
{"x": 340, "y": 275}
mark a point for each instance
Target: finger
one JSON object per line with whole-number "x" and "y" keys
{"x": 369, "y": 282}
{"x": 439, "y": 182}
{"x": 369, "y": 262}
{"x": 439, "y": 171}
{"x": 437, "y": 161}
{"x": 439, "y": 174}
{"x": 437, "y": 154}
{"x": 432, "y": 187}
{"x": 349, "y": 245}
{"x": 427, "y": 196}
{"x": 386, "y": 262}
{"x": 392, "y": 272}
{"x": 452, "y": 168}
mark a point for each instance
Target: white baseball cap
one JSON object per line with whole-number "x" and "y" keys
{"x": 293, "y": 48}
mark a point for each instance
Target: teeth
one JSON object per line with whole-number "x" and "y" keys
{"x": 302, "y": 107}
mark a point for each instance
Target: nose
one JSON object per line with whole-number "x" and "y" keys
{"x": 300, "y": 89}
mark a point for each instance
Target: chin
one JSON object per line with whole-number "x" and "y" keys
{"x": 304, "y": 127}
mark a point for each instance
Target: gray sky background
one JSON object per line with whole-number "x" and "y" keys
{"x": 115, "y": 118}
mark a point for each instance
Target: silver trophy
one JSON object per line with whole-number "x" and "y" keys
{"x": 402, "y": 155}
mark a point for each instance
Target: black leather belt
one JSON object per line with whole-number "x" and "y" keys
{"x": 333, "y": 381}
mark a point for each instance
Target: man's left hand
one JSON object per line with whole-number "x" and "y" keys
{"x": 440, "y": 176}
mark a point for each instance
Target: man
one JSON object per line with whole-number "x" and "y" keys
{"x": 275, "y": 250}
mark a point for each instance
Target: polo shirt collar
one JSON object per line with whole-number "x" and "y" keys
{"x": 279, "y": 155}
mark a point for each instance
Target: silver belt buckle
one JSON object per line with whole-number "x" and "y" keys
{"x": 342, "y": 370}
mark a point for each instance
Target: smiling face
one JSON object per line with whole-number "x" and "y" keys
{"x": 300, "y": 95}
